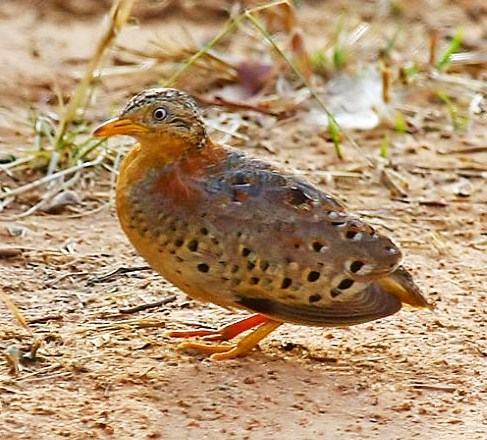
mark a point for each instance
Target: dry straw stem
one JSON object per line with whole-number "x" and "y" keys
{"x": 126, "y": 324}
{"x": 119, "y": 15}
{"x": 433, "y": 49}
{"x": 15, "y": 311}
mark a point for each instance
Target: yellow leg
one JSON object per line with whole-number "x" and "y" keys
{"x": 223, "y": 334}
{"x": 221, "y": 352}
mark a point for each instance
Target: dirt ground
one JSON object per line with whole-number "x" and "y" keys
{"x": 106, "y": 369}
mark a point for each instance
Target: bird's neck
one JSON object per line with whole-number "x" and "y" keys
{"x": 167, "y": 149}
{"x": 147, "y": 155}
{"x": 188, "y": 162}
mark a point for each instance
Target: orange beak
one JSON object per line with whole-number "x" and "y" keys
{"x": 117, "y": 126}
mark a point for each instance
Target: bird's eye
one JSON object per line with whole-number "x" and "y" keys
{"x": 159, "y": 113}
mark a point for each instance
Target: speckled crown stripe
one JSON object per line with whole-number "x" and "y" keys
{"x": 153, "y": 95}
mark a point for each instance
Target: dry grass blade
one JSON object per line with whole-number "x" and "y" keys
{"x": 433, "y": 49}
{"x": 118, "y": 17}
{"x": 126, "y": 324}
{"x": 146, "y": 306}
{"x": 15, "y": 311}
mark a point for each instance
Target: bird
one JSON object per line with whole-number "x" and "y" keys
{"x": 237, "y": 231}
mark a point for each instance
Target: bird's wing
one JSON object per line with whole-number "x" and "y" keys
{"x": 286, "y": 219}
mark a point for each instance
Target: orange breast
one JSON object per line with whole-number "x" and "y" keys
{"x": 157, "y": 204}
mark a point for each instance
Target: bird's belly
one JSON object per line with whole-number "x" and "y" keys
{"x": 179, "y": 249}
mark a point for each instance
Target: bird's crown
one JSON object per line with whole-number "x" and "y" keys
{"x": 160, "y": 94}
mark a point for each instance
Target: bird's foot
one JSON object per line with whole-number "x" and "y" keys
{"x": 221, "y": 352}
{"x": 223, "y": 334}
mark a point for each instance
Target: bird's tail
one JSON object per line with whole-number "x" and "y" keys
{"x": 400, "y": 284}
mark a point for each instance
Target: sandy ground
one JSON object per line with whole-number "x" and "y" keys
{"x": 106, "y": 370}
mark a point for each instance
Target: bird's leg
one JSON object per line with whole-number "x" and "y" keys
{"x": 225, "y": 333}
{"x": 221, "y": 352}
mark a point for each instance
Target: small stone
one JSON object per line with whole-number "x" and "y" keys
{"x": 60, "y": 201}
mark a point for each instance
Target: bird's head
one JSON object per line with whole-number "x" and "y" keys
{"x": 159, "y": 118}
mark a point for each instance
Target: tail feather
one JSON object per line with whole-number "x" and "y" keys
{"x": 400, "y": 284}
